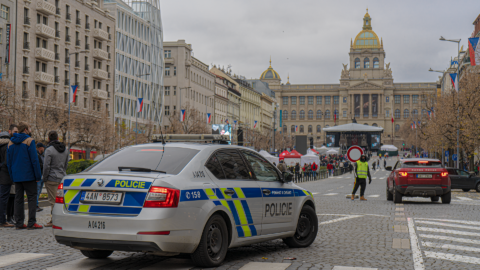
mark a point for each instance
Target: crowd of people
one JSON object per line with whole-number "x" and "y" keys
{"x": 25, "y": 167}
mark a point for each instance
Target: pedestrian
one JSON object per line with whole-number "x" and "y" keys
{"x": 378, "y": 163}
{"x": 6, "y": 206}
{"x": 314, "y": 169}
{"x": 41, "y": 157}
{"x": 373, "y": 165}
{"x": 329, "y": 168}
{"x": 24, "y": 170}
{"x": 361, "y": 173}
{"x": 350, "y": 168}
{"x": 281, "y": 166}
{"x": 55, "y": 167}
{"x": 384, "y": 163}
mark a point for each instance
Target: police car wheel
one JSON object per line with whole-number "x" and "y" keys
{"x": 307, "y": 228}
{"x": 213, "y": 245}
{"x": 97, "y": 254}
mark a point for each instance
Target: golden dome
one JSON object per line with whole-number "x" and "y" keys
{"x": 367, "y": 38}
{"x": 270, "y": 73}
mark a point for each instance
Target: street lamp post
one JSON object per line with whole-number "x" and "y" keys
{"x": 442, "y": 85}
{"x": 136, "y": 110}
{"x": 69, "y": 97}
{"x": 458, "y": 98}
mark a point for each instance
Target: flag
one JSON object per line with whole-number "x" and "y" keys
{"x": 73, "y": 93}
{"x": 454, "y": 78}
{"x": 392, "y": 119}
{"x": 255, "y": 125}
{"x": 209, "y": 118}
{"x": 414, "y": 124}
{"x": 418, "y": 123}
{"x": 474, "y": 51}
{"x": 296, "y": 128}
{"x": 335, "y": 115}
{"x": 182, "y": 115}
{"x": 411, "y": 126}
{"x": 429, "y": 115}
{"x": 139, "y": 104}
{"x": 234, "y": 123}
{"x": 433, "y": 113}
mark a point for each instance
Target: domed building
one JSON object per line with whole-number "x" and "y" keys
{"x": 366, "y": 92}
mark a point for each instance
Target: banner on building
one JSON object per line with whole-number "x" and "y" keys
{"x": 8, "y": 32}
{"x": 375, "y": 105}
{"x": 366, "y": 105}
{"x": 357, "y": 105}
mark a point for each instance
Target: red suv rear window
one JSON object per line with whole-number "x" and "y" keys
{"x": 422, "y": 163}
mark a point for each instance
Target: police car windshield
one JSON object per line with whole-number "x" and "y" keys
{"x": 147, "y": 157}
{"x": 422, "y": 163}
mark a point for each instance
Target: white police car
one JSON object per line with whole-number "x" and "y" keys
{"x": 181, "y": 198}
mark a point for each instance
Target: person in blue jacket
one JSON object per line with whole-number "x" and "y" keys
{"x": 24, "y": 170}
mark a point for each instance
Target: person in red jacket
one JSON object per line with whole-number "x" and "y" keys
{"x": 314, "y": 169}
{"x": 330, "y": 168}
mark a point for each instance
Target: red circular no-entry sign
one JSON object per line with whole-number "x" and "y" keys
{"x": 354, "y": 153}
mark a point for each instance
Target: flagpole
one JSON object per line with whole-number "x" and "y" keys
{"x": 136, "y": 121}
{"x": 69, "y": 101}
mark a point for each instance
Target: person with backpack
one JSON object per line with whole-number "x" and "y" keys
{"x": 6, "y": 206}
{"x": 314, "y": 169}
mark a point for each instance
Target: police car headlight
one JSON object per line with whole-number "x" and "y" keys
{"x": 159, "y": 197}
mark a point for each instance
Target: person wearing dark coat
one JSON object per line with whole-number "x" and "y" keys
{"x": 6, "y": 205}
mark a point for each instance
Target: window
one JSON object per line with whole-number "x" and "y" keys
{"x": 302, "y": 115}
{"x": 310, "y": 114}
{"x": 424, "y": 113}
{"x": 376, "y": 63}
{"x": 5, "y": 12}
{"x": 167, "y": 71}
{"x": 285, "y": 100}
{"x": 232, "y": 165}
{"x": 213, "y": 165}
{"x": 285, "y": 115}
{"x": 294, "y": 115}
{"x": 264, "y": 170}
{"x": 168, "y": 54}
{"x": 397, "y": 113}
{"x": 397, "y": 99}
{"x": 319, "y": 129}
{"x": 327, "y": 114}
{"x": 284, "y": 128}
{"x": 366, "y": 63}
{"x": 397, "y": 128}
{"x": 327, "y": 100}
{"x": 415, "y": 99}
{"x": 292, "y": 129}
{"x": 335, "y": 100}
{"x": 406, "y": 114}
{"x": 374, "y": 125}
{"x": 387, "y": 113}
{"x": 167, "y": 110}
{"x": 415, "y": 114}
{"x": 302, "y": 129}
{"x": 310, "y": 100}
{"x": 302, "y": 100}
{"x": 174, "y": 71}
{"x": 319, "y": 114}
{"x": 344, "y": 114}
{"x": 65, "y": 98}
{"x": 310, "y": 129}
{"x": 85, "y": 102}
{"x": 357, "y": 62}
{"x": 319, "y": 100}
{"x": 294, "y": 100}
{"x": 167, "y": 90}
{"x": 406, "y": 99}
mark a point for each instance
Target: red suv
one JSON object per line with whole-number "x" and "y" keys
{"x": 418, "y": 177}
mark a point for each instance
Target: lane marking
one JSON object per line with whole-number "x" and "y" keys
{"x": 468, "y": 222}
{"x": 264, "y": 265}
{"x": 416, "y": 252}
{"x": 315, "y": 193}
{"x": 452, "y": 257}
{"x": 447, "y": 225}
{"x": 352, "y": 268}
{"x": 14, "y": 258}
{"x": 373, "y": 196}
{"x": 425, "y": 229}
{"x": 448, "y": 238}
{"x": 337, "y": 220}
{"x": 464, "y": 198}
{"x": 447, "y": 246}
{"x": 86, "y": 263}
{"x": 330, "y": 194}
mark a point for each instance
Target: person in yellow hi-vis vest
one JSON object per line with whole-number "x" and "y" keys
{"x": 361, "y": 173}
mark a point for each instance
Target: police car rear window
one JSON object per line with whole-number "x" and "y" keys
{"x": 173, "y": 161}
{"x": 422, "y": 163}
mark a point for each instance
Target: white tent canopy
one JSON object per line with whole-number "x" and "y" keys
{"x": 322, "y": 150}
{"x": 332, "y": 152}
{"x": 309, "y": 158}
{"x": 269, "y": 157}
{"x": 388, "y": 147}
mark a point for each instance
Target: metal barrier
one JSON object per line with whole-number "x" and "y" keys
{"x": 309, "y": 176}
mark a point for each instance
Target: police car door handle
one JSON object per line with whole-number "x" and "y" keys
{"x": 266, "y": 191}
{"x": 229, "y": 192}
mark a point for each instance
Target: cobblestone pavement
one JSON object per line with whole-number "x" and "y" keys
{"x": 376, "y": 234}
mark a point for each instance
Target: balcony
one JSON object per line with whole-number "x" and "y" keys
{"x": 68, "y": 39}
{"x": 57, "y": 34}
{"x": 67, "y": 60}
{"x": 44, "y": 54}
{"x": 86, "y": 88}
{"x": 87, "y": 26}
{"x": 46, "y": 8}
{"x": 78, "y": 21}
{"x": 45, "y": 31}
{"x": 26, "y": 45}
{"x": 26, "y": 21}
{"x": 101, "y": 54}
{"x": 26, "y": 70}
{"x": 77, "y": 43}
{"x": 44, "y": 78}
{"x": 57, "y": 56}
{"x": 100, "y": 94}
{"x": 77, "y": 64}
{"x": 100, "y": 34}
{"x": 69, "y": 17}
{"x": 58, "y": 11}
{"x": 67, "y": 82}
{"x": 100, "y": 74}
{"x": 57, "y": 79}
{"x": 87, "y": 67}
{"x": 170, "y": 60}
{"x": 87, "y": 47}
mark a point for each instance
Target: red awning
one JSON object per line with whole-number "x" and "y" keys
{"x": 81, "y": 151}
{"x": 294, "y": 154}
{"x": 283, "y": 154}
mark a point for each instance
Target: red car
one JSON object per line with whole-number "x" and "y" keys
{"x": 418, "y": 177}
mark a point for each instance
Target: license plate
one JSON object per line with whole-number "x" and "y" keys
{"x": 96, "y": 224}
{"x": 424, "y": 176}
{"x": 101, "y": 197}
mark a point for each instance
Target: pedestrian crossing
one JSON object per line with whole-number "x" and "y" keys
{"x": 449, "y": 240}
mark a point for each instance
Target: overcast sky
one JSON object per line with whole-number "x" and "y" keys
{"x": 311, "y": 39}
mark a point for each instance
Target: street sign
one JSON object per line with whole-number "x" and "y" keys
{"x": 354, "y": 153}
{"x": 446, "y": 156}
{"x": 454, "y": 157}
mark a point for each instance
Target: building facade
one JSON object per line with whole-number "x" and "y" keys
{"x": 221, "y": 100}
{"x": 8, "y": 38}
{"x": 366, "y": 93}
{"x": 64, "y": 44}
{"x": 138, "y": 62}
{"x": 188, "y": 82}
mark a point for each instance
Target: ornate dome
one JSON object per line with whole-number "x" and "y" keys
{"x": 270, "y": 73}
{"x": 367, "y": 39}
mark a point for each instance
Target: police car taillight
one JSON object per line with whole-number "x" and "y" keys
{"x": 59, "y": 197}
{"x": 162, "y": 197}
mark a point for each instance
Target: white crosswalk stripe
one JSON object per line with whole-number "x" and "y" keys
{"x": 448, "y": 246}
{"x": 464, "y": 198}
{"x": 448, "y": 238}
{"x": 330, "y": 194}
{"x": 374, "y": 196}
{"x": 85, "y": 263}
{"x": 452, "y": 257}
{"x": 448, "y": 225}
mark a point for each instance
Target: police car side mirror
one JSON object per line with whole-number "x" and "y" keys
{"x": 388, "y": 168}
{"x": 287, "y": 177}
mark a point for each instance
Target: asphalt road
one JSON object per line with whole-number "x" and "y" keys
{"x": 376, "y": 234}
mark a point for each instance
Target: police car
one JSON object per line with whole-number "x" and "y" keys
{"x": 174, "y": 198}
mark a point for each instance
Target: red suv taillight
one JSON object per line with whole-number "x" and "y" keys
{"x": 444, "y": 174}
{"x": 162, "y": 197}
{"x": 59, "y": 197}
{"x": 403, "y": 174}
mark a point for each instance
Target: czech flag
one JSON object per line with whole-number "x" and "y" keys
{"x": 73, "y": 93}
{"x": 296, "y": 128}
{"x": 414, "y": 124}
{"x": 392, "y": 119}
{"x": 474, "y": 51}
{"x": 182, "y": 115}
{"x": 335, "y": 115}
{"x": 454, "y": 78}
{"x": 418, "y": 124}
{"x": 255, "y": 124}
{"x": 433, "y": 113}
{"x": 429, "y": 115}
{"x": 411, "y": 126}
{"x": 209, "y": 118}
{"x": 139, "y": 104}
